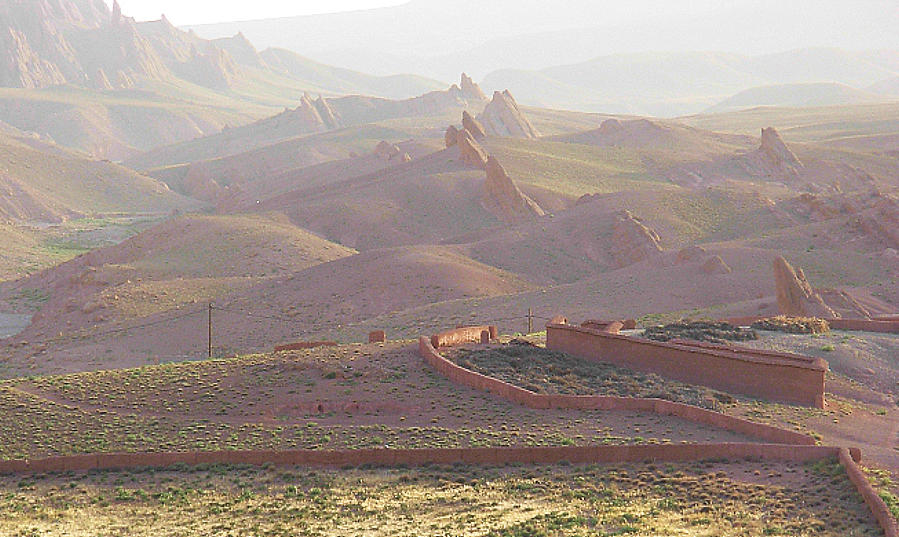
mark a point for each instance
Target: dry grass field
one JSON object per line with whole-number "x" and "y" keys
{"x": 689, "y": 499}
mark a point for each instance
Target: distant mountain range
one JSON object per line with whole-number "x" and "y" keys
{"x": 602, "y": 56}
{"x": 114, "y": 87}
{"x": 670, "y": 84}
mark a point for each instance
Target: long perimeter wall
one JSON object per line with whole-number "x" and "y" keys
{"x": 788, "y": 378}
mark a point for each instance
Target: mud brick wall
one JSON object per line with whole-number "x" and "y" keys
{"x": 788, "y": 378}
{"x": 527, "y": 398}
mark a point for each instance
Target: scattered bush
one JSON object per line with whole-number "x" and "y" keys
{"x": 793, "y": 325}
{"x": 713, "y": 332}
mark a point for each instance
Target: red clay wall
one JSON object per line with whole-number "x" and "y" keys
{"x": 865, "y": 325}
{"x": 527, "y": 398}
{"x": 417, "y": 457}
{"x": 787, "y": 378}
{"x": 300, "y": 345}
{"x": 875, "y": 502}
{"x": 464, "y": 334}
{"x": 885, "y": 324}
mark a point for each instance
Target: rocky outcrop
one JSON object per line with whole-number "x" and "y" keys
{"x": 470, "y": 151}
{"x": 198, "y": 184}
{"x": 451, "y": 136}
{"x": 775, "y": 156}
{"x": 473, "y": 126}
{"x": 397, "y": 158}
{"x": 470, "y": 90}
{"x": 502, "y": 117}
{"x": 213, "y": 68}
{"x": 504, "y": 199}
{"x": 882, "y": 223}
{"x": 100, "y": 81}
{"x": 715, "y": 265}
{"x": 632, "y": 241}
{"x": 21, "y": 66}
{"x": 690, "y": 254}
{"x": 795, "y": 297}
{"x": 328, "y": 117}
{"x": 386, "y": 150}
{"x": 240, "y": 48}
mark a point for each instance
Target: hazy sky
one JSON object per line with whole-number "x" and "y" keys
{"x": 183, "y": 12}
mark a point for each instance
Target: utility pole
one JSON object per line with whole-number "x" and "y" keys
{"x": 530, "y": 322}
{"x": 209, "y": 332}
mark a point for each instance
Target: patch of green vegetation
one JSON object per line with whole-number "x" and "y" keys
{"x": 883, "y": 482}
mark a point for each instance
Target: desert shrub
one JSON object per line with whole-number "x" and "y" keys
{"x": 793, "y": 325}
{"x": 713, "y": 332}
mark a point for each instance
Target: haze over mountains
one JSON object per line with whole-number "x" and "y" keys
{"x": 645, "y": 57}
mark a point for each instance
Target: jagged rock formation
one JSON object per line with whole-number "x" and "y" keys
{"x": 473, "y": 126}
{"x": 470, "y": 151}
{"x": 715, "y": 265}
{"x": 795, "y": 297}
{"x": 48, "y": 42}
{"x": 690, "y": 254}
{"x": 470, "y": 90}
{"x": 386, "y": 150}
{"x": 240, "y": 48}
{"x": 775, "y": 156}
{"x": 504, "y": 199}
{"x": 632, "y": 241}
{"x": 329, "y": 118}
{"x": 451, "y": 136}
{"x": 398, "y": 157}
{"x": 502, "y": 117}
{"x": 213, "y": 68}
{"x": 882, "y": 224}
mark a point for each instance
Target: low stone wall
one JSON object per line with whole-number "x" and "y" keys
{"x": 875, "y": 502}
{"x": 300, "y": 345}
{"x": 788, "y": 445}
{"x": 789, "y": 378}
{"x": 865, "y": 325}
{"x": 886, "y": 324}
{"x": 527, "y": 398}
{"x": 419, "y": 457}
{"x": 464, "y": 334}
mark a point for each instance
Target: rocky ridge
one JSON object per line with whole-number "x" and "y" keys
{"x": 504, "y": 199}
{"x": 795, "y": 297}
{"x": 503, "y": 117}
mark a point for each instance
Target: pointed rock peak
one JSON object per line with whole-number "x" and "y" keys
{"x": 502, "y": 117}
{"x": 470, "y": 89}
{"x": 473, "y": 126}
{"x": 329, "y": 117}
{"x": 795, "y": 296}
{"x": 116, "y": 12}
{"x": 504, "y": 199}
{"x": 632, "y": 241}
{"x": 451, "y": 137}
{"x": 773, "y": 146}
{"x": 470, "y": 151}
{"x": 385, "y": 149}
